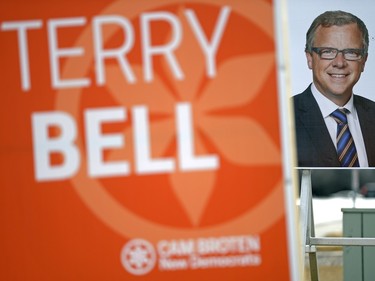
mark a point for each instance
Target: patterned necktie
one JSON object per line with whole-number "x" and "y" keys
{"x": 345, "y": 145}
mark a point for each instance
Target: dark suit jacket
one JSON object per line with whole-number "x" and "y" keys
{"x": 314, "y": 145}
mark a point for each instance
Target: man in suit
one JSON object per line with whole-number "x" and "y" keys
{"x": 334, "y": 127}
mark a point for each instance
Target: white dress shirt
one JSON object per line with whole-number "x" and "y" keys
{"x": 327, "y": 107}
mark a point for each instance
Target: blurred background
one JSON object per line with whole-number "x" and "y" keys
{"x": 341, "y": 182}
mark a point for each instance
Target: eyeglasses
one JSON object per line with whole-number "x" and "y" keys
{"x": 331, "y": 53}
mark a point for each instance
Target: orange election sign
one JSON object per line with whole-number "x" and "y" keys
{"x": 140, "y": 140}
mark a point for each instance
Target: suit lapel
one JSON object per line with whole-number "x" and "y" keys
{"x": 366, "y": 115}
{"x": 312, "y": 120}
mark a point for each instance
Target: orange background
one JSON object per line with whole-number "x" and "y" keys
{"x": 54, "y": 230}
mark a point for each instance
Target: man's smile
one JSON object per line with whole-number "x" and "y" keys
{"x": 337, "y": 75}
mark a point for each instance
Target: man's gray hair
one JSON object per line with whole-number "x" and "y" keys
{"x": 338, "y": 18}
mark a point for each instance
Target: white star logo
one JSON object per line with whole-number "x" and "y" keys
{"x": 138, "y": 257}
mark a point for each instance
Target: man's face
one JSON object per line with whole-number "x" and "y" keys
{"x": 336, "y": 78}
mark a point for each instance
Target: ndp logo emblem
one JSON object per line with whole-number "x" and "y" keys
{"x": 138, "y": 257}
{"x": 159, "y": 110}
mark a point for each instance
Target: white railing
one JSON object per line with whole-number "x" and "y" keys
{"x": 309, "y": 241}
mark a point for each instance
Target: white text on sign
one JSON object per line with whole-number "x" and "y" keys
{"x": 97, "y": 142}
{"x": 209, "y": 47}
